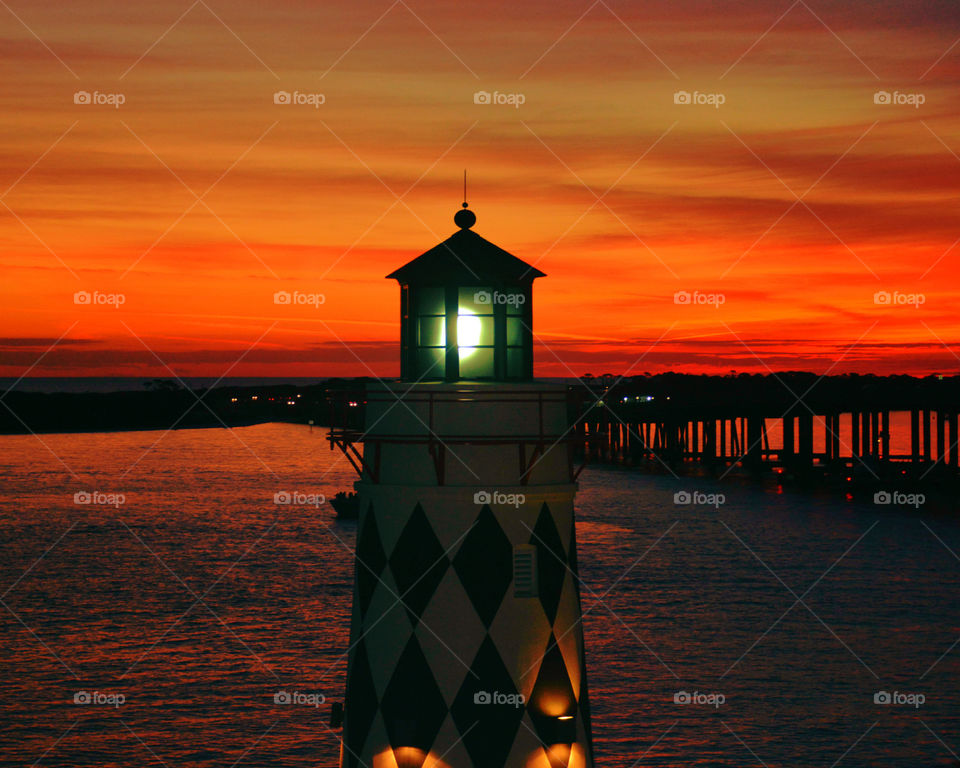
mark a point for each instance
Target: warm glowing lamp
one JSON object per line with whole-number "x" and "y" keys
{"x": 466, "y": 311}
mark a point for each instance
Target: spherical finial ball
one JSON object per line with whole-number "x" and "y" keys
{"x": 464, "y": 218}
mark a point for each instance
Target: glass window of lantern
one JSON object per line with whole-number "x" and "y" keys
{"x": 430, "y": 330}
{"x": 475, "y": 332}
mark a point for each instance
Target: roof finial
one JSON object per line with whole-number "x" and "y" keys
{"x": 464, "y": 218}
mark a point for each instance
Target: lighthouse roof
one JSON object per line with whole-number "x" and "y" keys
{"x": 467, "y": 259}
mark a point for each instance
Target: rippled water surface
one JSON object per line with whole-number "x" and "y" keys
{"x": 198, "y": 598}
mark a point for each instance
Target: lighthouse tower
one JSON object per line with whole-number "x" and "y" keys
{"x": 466, "y": 643}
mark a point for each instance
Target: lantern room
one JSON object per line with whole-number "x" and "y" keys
{"x": 466, "y": 311}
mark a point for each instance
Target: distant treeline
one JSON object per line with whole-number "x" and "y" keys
{"x": 165, "y": 404}
{"x": 736, "y": 393}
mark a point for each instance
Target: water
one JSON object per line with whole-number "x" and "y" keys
{"x": 198, "y": 599}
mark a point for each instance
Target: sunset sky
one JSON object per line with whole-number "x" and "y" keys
{"x": 796, "y": 200}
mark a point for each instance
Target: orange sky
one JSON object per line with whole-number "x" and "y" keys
{"x": 701, "y": 198}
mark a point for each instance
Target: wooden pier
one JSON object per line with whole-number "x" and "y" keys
{"x": 725, "y": 423}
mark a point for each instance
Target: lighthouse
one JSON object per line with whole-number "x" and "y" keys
{"x": 466, "y": 641}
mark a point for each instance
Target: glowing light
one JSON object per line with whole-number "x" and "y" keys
{"x": 468, "y": 332}
{"x": 404, "y": 757}
{"x": 565, "y": 717}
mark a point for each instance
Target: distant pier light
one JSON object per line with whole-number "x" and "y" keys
{"x": 467, "y": 311}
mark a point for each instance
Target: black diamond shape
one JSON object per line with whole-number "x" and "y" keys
{"x": 491, "y": 727}
{"x": 552, "y": 696}
{"x": 361, "y": 704}
{"x": 584, "y": 702}
{"x": 413, "y": 707}
{"x": 572, "y": 550}
{"x": 418, "y": 563}
{"x": 551, "y": 562}
{"x": 370, "y": 560}
{"x": 484, "y": 564}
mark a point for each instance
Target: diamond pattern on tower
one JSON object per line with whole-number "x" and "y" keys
{"x": 362, "y": 705}
{"x": 551, "y": 562}
{"x": 490, "y": 727}
{"x": 552, "y": 695}
{"x": 584, "y": 697}
{"x": 418, "y": 563}
{"x": 484, "y": 564}
{"x": 371, "y": 560}
{"x": 413, "y": 707}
